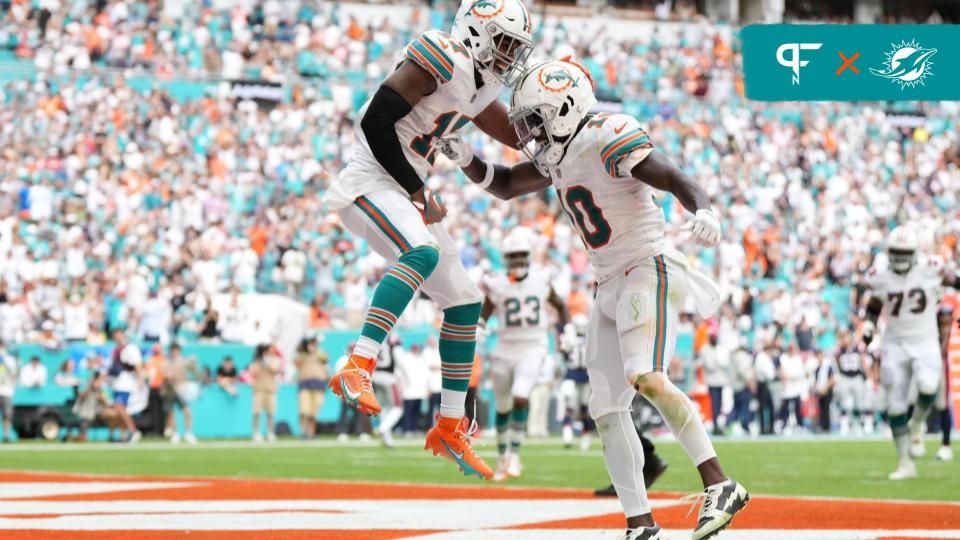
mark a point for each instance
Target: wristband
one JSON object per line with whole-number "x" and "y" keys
{"x": 487, "y": 176}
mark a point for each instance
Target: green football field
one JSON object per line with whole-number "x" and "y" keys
{"x": 820, "y": 467}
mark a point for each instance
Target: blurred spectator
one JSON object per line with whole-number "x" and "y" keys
{"x": 129, "y": 392}
{"x": 716, "y": 377}
{"x": 76, "y": 320}
{"x": 92, "y": 403}
{"x": 210, "y": 327}
{"x": 65, "y": 376}
{"x": 8, "y": 386}
{"x": 431, "y": 356}
{"x": 765, "y": 371}
{"x": 743, "y": 383}
{"x": 414, "y": 377}
{"x": 89, "y": 403}
{"x": 115, "y": 366}
{"x": 263, "y": 372}
{"x": 793, "y": 379}
{"x": 156, "y": 318}
{"x": 294, "y": 262}
{"x": 227, "y": 376}
{"x": 319, "y": 317}
{"x": 311, "y": 384}
{"x": 153, "y": 372}
{"x": 34, "y": 374}
{"x": 180, "y": 386}
{"x": 824, "y": 380}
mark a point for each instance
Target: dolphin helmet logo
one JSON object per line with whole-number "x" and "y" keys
{"x": 486, "y": 9}
{"x": 907, "y": 64}
{"x": 556, "y": 79}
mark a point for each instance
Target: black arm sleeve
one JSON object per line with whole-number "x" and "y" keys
{"x": 386, "y": 107}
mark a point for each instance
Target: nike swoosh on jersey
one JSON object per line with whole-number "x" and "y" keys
{"x": 619, "y": 129}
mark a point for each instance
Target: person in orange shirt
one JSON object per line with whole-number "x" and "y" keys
{"x": 259, "y": 235}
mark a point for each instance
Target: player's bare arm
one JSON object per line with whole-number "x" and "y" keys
{"x": 871, "y": 316}
{"x": 499, "y": 180}
{"x": 951, "y": 280}
{"x": 660, "y": 173}
{"x": 395, "y": 98}
{"x": 495, "y": 122}
{"x": 563, "y": 314}
{"x": 487, "y": 310}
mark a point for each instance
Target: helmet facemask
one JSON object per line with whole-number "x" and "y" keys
{"x": 518, "y": 263}
{"x": 506, "y": 56}
{"x": 901, "y": 260}
{"x": 532, "y": 125}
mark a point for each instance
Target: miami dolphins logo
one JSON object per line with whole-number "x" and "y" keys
{"x": 555, "y": 79}
{"x": 907, "y": 64}
{"x": 486, "y": 9}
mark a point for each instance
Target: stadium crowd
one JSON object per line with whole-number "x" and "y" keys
{"x": 126, "y": 209}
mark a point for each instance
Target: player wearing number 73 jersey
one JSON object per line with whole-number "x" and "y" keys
{"x": 605, "y": 168}
{"x": 441, "y": 82}
{"x": 907, "y": 292}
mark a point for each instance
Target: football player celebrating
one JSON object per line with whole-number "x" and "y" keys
{"x": 907, "y": 292}
{"x": 443, "y": 82}
{"x": 604, "y": 168}
{"x": 518, "y": 299}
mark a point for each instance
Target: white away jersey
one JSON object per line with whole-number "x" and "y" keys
{"x": 909, "y": 300}
{"x": 455, "y": 102}
{"x": 616, "y": 215}
{"x": 521, "y": 308}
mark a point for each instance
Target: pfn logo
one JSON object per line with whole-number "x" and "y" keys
{"x": 794, "y": 62}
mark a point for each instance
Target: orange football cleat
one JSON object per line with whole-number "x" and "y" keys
{"x": 352, "y": 385}
{"x": 451, "y": 439}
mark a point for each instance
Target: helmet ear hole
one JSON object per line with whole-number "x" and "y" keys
{"x": 564, "y": 109}
{"x": 474, "y": 33}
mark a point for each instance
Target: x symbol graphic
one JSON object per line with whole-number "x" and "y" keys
{"x": 848, "y": 63}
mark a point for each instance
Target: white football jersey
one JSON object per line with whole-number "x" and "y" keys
{"x": 615, "y": 213}
{"x": 850, "y": 362}
{"x": 454, "y": 103}
{"x": 909, "y": 300}
{"x": 521, "y": 308}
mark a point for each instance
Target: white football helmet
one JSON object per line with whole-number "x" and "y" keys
{"x": 499, "y": 33}
{"x": 516, "y": 250}
{"x": 902, "y": 249}
{"x": 547, "y": 106}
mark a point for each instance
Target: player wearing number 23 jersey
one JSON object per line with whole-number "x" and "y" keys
{"x": 605, "y": 168}
{"x": 518, "y": 299}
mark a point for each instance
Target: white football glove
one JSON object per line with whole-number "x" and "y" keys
{"x": 456, "y": 150}
{"x": 481, "y": 337}
{"x": 568, "y": 339}
{"x": 705, "y": 227}
{"x": 869, "y": 330}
